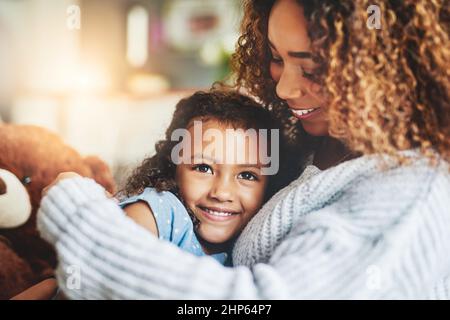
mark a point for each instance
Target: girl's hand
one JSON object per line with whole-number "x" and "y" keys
{"x": 61, "y": 176}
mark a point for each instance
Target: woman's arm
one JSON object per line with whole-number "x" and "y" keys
{"x": 114, "y": 258}
{"x": 323, "y": 257}
{"x": 44, "y": 290}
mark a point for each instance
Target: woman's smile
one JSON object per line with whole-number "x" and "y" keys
{"x": 306, "y": 113}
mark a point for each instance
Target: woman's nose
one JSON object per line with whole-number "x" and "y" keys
{"x": 289, "y": 86}
{"x": 222, "y": 190}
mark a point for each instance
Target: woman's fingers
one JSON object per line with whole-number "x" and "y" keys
{"x": 68, "y": 175}
{"x": 61, "y": 176}
{"x": 110, "y": 196}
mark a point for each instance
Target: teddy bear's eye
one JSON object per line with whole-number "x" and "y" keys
{"x": 26, "y": 180}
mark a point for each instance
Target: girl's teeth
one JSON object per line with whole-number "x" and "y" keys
{"x": 303, "y": 112}
{"x": 218, "y": 213}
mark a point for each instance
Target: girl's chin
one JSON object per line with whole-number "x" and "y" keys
{"x": 214, "y": 238}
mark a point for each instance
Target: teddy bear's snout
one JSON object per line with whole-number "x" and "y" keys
{"x": 15, "y": 204}
{"x": 2, "y": 187}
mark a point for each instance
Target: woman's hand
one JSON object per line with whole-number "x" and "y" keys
{"x": 69, "y": 175}
{"x": 61, "y": 176}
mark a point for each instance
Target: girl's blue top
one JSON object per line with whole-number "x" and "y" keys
{"x": 173, "y": 221}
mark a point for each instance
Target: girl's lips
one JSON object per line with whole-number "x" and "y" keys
{"x": 298, "y": 115}
{"x": 216, "y": 214}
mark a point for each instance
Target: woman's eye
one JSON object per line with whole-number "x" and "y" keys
{"x": 203, "y": 168}
{"x": 307, "y": 74}
{"x": 247, "y": 176}
{"x": 276, "y": 60}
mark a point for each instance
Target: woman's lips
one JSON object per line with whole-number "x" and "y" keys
{"x": 217, "y": 214}
{"x": 305, "y": 113}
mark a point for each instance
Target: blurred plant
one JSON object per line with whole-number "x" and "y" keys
{"x": 218, "y": 53}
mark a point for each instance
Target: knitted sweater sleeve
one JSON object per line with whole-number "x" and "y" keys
{"x": 113, "y": 258}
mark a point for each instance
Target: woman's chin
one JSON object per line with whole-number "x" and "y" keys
{"x": 316, "y": 129}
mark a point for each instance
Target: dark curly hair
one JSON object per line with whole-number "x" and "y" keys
{"x": 225, "y": 106}
{"x": 388, "y": 89}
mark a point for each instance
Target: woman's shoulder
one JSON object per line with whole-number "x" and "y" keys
{"x": 354, "y": 192}
{"x": 365, "y": 178}
{"x": 382, "y": 179}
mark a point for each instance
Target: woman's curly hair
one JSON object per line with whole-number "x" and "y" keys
{"x": 227, "y": 107}
{"x": 388, "y": 89}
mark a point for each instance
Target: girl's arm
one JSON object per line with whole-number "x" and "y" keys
{"x": 142, "y": 214}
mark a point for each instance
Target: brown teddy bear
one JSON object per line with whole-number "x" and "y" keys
{"x": 30, "y": 159}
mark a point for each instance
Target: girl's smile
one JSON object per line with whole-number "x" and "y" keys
{"x": 217, "y": 214}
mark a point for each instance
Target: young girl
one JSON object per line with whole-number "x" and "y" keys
{"x": 202, "y": 203}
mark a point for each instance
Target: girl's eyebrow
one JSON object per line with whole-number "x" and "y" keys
{"x": 202, "y": 157}
{"x": 246, "y": 165}
{"x": 294, "y": 54}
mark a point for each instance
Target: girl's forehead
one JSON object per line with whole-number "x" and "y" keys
{"x": 213, "y": 139}
{"x": 211, "y": 130}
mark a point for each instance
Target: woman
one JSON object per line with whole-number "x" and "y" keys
{"x": 373, "y": 226}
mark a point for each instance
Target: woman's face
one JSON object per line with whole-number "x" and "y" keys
{"x": 292, "y": 66}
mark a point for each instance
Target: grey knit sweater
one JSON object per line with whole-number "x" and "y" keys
{"x": 352, "y": 231}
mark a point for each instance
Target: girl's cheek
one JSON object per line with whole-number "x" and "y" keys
{"x": 253, "y": 200}
{"x": 187, "y": 182}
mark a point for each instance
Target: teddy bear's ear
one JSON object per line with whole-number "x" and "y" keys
{"x": 101, "y": 173}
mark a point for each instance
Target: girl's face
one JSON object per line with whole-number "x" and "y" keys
{"x": 292, "y": 67}
{"x": 223, "y": 195}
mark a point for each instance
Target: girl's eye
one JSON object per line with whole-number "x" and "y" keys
{"x": 204, "y": 168}
{"x": 247, "y": 176}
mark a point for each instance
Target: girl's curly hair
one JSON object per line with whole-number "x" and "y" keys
{"x": 388, "y": 89}
{"x": 227, "y": 107}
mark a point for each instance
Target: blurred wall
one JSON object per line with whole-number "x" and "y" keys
{"x": 35, "y": 48}
{"x": 76, "y": 82}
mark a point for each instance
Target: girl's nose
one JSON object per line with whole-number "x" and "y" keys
{"x": 288, "y": 86}
{"x": 222, "y": 190}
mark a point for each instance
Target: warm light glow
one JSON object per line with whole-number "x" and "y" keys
{"x": 90, "y": 78}
{"x": 137, "y": 36}
{"x": 147, "y": 84}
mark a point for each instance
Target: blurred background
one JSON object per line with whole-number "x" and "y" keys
{"x": 106, "y": 74}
